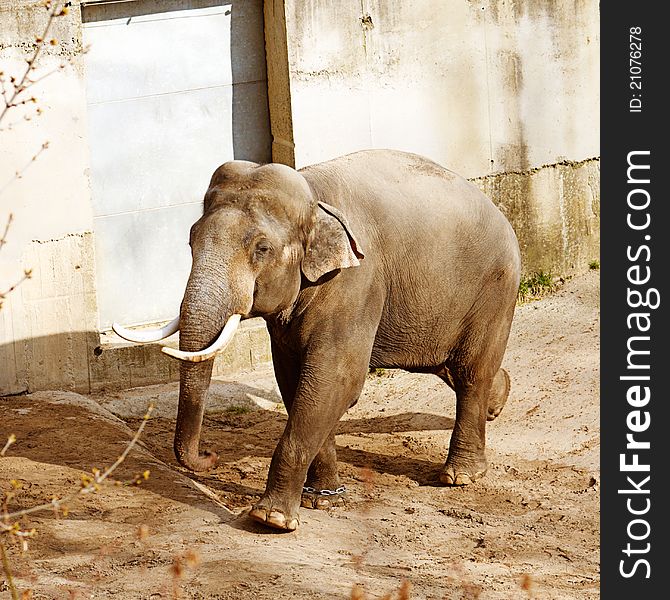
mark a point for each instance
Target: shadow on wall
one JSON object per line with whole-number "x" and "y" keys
{"x": 75, "y": 361}
{"x": 251, "y": 112}
{"x": 250, "y": 109}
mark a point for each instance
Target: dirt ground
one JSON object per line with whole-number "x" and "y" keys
{"x": 530, "y": 528}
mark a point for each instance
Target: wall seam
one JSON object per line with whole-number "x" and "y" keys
{"x": 533, "y": 170}
{"x": 488, "y": 88}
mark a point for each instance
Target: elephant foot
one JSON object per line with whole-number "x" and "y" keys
{"x": 322, "y": 499}
{"x": 458, "y": 474}
{"x": 200, "y": 462}
{"x": 273, "y": 516}
{"x": 499, "y": 394}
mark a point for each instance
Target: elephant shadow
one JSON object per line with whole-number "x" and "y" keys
{"x": 69, "y": 430}
{"x": 247, "y": 441}
{"x": 417, "y": 468}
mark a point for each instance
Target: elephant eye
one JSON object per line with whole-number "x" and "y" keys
{"x": 263, "y": 248}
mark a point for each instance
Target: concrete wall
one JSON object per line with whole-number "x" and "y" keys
{"x": 49, "y": 326}
{"x": 52, "y": 228}
{"x": 174, "y": 89}
{"x": 505, "y": 93}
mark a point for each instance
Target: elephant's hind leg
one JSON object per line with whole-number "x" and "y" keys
{"x": 466, "y": 461}
{"x": 499, "y": 394}
{"x": 473, "y": 367}
{"x": 499, "y": 390}
{"x": 482, "y": 388}
{"x": 477, "y": 401}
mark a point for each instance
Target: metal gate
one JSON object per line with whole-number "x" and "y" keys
{"x": 174, "y": 88}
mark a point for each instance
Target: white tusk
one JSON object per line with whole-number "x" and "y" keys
{"x": 147, "y": 335}
{"x": 219, "y": 344}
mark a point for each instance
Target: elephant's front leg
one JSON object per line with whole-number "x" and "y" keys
{"x": 324, "y": 393}
{"x": 322, "y": 488}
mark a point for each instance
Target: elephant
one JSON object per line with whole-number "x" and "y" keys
{"x": 376, "y": 259}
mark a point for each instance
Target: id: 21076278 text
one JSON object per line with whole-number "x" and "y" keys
{"x": 635, "y": 69}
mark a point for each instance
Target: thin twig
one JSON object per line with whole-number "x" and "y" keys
{"x": 8, "y": 573}
{"x": 3, "y": 239}
{"x": 45, "y": 75}
{"x": 132, "y": 442}
{"x": 21, "y": 87}
{"x": 4, "y": 89}
{"x": 19, "y": 173}
{"x": 89, "y": 486}
{"x": 27, "y": 274}
{"x": 10, "y": 440}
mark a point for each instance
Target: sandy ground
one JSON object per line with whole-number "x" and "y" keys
{"x": 530, "y": 528}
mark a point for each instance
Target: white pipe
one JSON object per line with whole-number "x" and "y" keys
{"x": 219, "y": 344}
{"x": 147, "y": 335}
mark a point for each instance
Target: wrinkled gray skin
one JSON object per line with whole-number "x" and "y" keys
{"x": 375, "y": 259}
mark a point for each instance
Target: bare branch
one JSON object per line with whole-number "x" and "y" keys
{"x": 12, "y": 89}
{"x": 8, "y": 573}
{"x": 129, "y": 447}
{"x": 13, "y": 95}
{"x": 20, "y": 172}
{"x": 10, "y": 440}
{"x": 32, "y": 82}
{"x": 27, "y": 274}
{"x": 5, "y": 91}
{"x": 56, "y": 10}
{"x": 89, "y": 484}
{"x": 3, "y": 239}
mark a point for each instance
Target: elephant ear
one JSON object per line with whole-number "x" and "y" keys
{"x": 333, "y": 245}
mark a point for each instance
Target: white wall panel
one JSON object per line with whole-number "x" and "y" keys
{"x": 174, "y": 89}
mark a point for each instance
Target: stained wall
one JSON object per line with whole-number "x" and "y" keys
{"x": 504, "y": 92}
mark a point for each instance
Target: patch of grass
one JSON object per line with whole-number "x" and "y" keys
{"x": 594, "y": 265}
{"x": 535, "y": 286}
{"x": 237, "y": 409}
{"x": 379, "y": 374}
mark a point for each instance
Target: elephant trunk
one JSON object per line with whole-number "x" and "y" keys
{"x": 204, "y": 310}
{"x": 194, "y": 381}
